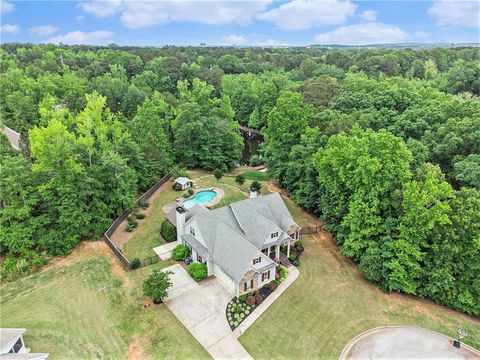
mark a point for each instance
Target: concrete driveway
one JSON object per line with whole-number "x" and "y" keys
{"x": 201, "y": 309}
{"x": 404, "y": 342}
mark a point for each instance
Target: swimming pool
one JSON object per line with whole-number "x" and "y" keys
{"x": 202, "y": 197}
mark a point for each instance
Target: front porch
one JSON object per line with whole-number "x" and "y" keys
{"x": 274, "y": 253}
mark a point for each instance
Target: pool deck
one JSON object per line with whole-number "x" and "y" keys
{"x": 216, "y": 199}
{"x": 220, "y": 194}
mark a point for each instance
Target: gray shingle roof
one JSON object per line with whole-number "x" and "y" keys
{"x": 182, "y": 180}
{"x": 197, "y": 245}
{"x": 25, "y": 356}
{"x": 234, "y": 234}
{"x": 7, "y": 335}
{"x": 196, "y": 209}
{"x": 12, "y": 136}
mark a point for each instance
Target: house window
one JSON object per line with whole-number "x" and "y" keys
{"x": 192, "y": 230}
{"x": 274, "y": 235}
{"x": 18, "y": 345}
{"x": 199, "y": 258}
{"x": 245, "y": 286}
{"x": 251, "y": 284}
{"x": 265, "y": 275}
{"x": 257, "y": 260}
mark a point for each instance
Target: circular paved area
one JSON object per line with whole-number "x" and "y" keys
{"x": 404, "y": 342}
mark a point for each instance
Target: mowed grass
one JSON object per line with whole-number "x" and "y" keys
{"x": 330, "y": 303}
{"x": 147, "y": 235}
{"x": 82, "y": 310}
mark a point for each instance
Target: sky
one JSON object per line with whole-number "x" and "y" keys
{"x": 240, "y": 23}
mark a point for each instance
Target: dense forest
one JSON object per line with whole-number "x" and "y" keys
{"x": 384, "y": 145}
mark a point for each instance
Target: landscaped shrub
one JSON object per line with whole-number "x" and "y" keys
{"x": 296, "y": 262}
{"x": 272, "y": 286}
{"x": 281, "y": 274}
{"x": 186, "y": 194}
{"x": 292, "y": 257}
{"x": 130, "y": 227}
{"x": 256, "y": 185}
{"x": 168, "y": 231}
{"x": 139, "y": 215}
{"x": 190, "y": 192}
{"x": 240, "y": 179}
{"x": 198, "y": 271}
{"x": 255, "y": 160}
{"x": 132, "y": 221}
{"x": 180, "y": 252}
{"x": 298, "y": 244}
{"x": 143, "y": 203}
{"x": 218, "y": 174}
{"x": 258, "y": 299}
{"x": 243, "y": 297}
{"x": 250, "y": 300}
{"x": 135, "y": 263}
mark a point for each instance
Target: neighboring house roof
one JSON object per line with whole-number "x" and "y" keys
{"x": 25, "y": 356}
{"x": 189, "y": 213}
{"x": 234, "y": 234}
{"x": 12, "y": 136}
{"x": 182, "y": 180}
{"x": 8, "y": 335}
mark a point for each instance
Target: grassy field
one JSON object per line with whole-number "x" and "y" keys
{"x": 331, "y": 303}
{"x": 147, "y": 235}
{"x": 85, "y": 309}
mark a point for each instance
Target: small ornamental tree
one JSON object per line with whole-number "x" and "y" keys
{"x": 255, "y": 185}
{"x": 157, "y": 284}
{"x": 240, "y": 179}
{"x": 218, "y": 174}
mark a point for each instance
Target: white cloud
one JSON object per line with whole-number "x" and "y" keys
{"x": 420, "y": 34}
{"x": 461, "y": 13}
{"x": 44, "y": 30}
{"x": 369, "y": 15}
{"x": 363, "y": 34}
{"x": 80, "y": 17}
{"x": 9, "y": 29}
{"x": 304, "y": 14}
{"x": 234, "y": 39}
{"x": 80, "y": 37}
{"x": 271, "y": 42}
{"x": 138, "y": 14}
{"x": 101, "y": 8}
{"x": 6, "y": 7}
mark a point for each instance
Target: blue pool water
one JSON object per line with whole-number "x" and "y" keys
{"x": 202, "y": 197}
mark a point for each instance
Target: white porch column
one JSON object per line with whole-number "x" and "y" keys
{"x": 277, "y": 253}
{"x": 268, "y": 252}
{"x": 288, "y": 249}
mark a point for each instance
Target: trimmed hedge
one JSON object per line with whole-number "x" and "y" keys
{"x": 198, "y": 271}
{"x": 168, "y": 231}
{"x": 180, "y": 252}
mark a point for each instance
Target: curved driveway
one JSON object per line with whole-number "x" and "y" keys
{"x": 404, "y": 342}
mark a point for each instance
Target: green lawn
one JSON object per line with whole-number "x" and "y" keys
{"x": 147, "y": 235}
{"x": 331, "y": 303}
{"x": 256, "y": 175}
{"x": 82, "y": 310}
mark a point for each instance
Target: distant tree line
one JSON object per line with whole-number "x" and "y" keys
{"x": 382, "y": 144}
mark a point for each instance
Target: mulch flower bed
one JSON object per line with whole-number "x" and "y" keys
{"x": 238, "y": 309}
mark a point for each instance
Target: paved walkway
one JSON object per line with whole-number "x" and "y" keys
{"x": 201, "y": 309}
{"x": 260, "y": 309}
{"x": 164, "y": 251}
{"x": 405, "y": 342}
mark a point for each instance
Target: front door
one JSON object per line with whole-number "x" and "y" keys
{"x": 273, "y": 252}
